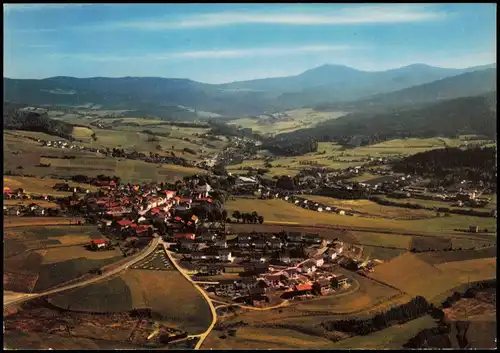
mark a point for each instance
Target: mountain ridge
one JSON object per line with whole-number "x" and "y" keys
{"x": 337, "y": 83}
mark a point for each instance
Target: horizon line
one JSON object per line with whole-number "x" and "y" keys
{"x": 262, "y": 78}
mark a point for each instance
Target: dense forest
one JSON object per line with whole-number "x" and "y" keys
{"x": 16, "y": 119}
{"x": 290, "y": 147}
{"x": 451, "y": 165}
{"x": 417, "y": 307}
{"x": 462, "y": 116}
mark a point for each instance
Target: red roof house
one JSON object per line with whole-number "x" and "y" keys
{"x": 184, "y": 236}
{"x": 303, "y": 287}
{"x": 125, "y": 222}
{"x": 141, "y": 229}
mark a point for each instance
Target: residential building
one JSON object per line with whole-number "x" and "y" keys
{"x": 225, "y": 255}
{"x": 294, "y": 236}
{"x": 339, "y": 281}
{"x": 221, "y": 243}
{"x": 187, "y": 244}
{"x": 308, "y": 267}
{"x": 275, "y": 243}
{"x": 260, "y": 244}
{"x": 318, "y": 261}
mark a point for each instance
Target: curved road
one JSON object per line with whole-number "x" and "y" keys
{"x": 204, "y": 335}
{"x": 12, "y": 298}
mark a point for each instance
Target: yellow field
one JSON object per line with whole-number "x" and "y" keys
{"x": 82, "y": 132}
{"x": 416, "y": 277}
{"x": 299, "y": 119}
{"x": 14, "y": 221}
{"x": 268, "y": 338}
{"x": 60, "y": 254}
{"x": 367, "y": 208}
{"x": 169, "y": 294}
{"x": 41, "y": 203}
{"x": 390, "y": 338}
{"x": 41, "y": 186}
{"x": 281, "y": 211}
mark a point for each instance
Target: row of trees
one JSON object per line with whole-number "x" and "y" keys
{"x": 253, "y": 217}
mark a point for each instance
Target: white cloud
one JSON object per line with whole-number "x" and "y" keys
{"x": 211, "y": 54}
{"x": 35, "y": 7}
{"x": 343, "y": 16}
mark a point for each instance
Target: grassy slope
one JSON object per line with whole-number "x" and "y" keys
{"x": 416, "y": 277}
{"x": 282, "y": 211}
{"x": 167, "y": 293}
{"x": 85, "y": 163}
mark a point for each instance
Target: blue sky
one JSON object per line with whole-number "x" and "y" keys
{"x": 217, "y": 43}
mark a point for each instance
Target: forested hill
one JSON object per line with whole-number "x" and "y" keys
{"x": 468, "y": 84}
{"x": 467, "y": 115}
{"x": 17, "y": 119}
{"x": 452, "y": 165}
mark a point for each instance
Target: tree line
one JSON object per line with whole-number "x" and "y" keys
{"x": 247, "y": 217}
{"x": 16, "y": 119}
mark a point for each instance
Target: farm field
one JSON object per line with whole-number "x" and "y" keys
{"x": 14, "y": 221}
{"x": 37, "y": 258}
{"x": 335, "y": 156}
{"x": 41, "y": 203}
{"x": 300, "y": 321}
{"x": 265, "y": 338}
{"x": 298, "y": 119}
{"x": 367, "y": 208}
{"x": 390, "y": 338}
{"x": 430, "y": 281}
{"x": 434, "y": 203}
{"x": 276, "y": 210}
{"x": 86, "y": 163}
{"x": 41, "y": 186}
{"x": 173, "y": 300}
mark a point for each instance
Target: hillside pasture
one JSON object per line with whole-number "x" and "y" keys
{"x": 173, "y": 300}
{"x": 297, "y": 119}
{"x": 86, "y": 163}
{"x": 51, "y": 255}
{"x": 280, "y": 211}
{"x": 413, "y": 275}
{"x": 367, "y": 208}
{"x": 42, "y": 186}
{"x": 393, "y": 337}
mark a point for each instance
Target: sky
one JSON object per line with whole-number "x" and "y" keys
{"x": 217, "y": 43}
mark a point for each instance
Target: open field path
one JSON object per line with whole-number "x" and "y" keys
{"x": 10, "y": 222}
{"x": 244, "y": 227}
{"x": 12, "y": 298}
{"x": 224, "y": 304}
{"x": 204, "y": 335}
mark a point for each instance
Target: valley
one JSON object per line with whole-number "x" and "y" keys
{"x": 165, "y": 188}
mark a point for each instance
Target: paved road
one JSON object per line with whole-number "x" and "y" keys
{"x": 204, "y": 335}
{"x": 224, "y": 304}
{"x": 12, "y": 298}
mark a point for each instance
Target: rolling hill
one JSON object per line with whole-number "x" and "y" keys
{"x": 327, "y": 83}
{"x": 471, "y": 83}
{"x": 466, "y": 115}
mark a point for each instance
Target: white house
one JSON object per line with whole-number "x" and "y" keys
{"x": 318, "y": 261}
{"x": 221, "y": 243}
{"x": 225, "y": 255}
{"x": 169, "y": 194}
{"x": 308, "y": 267}
{"x": 203, "y": 190}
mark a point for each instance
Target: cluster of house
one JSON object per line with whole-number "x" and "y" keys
{"x": 282, "y": 263}
{"x": 31, "y": 209}
{"x": 316, "y": 206}
{"x": 152, "y": 158}
{"x": 458, "y": 197}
